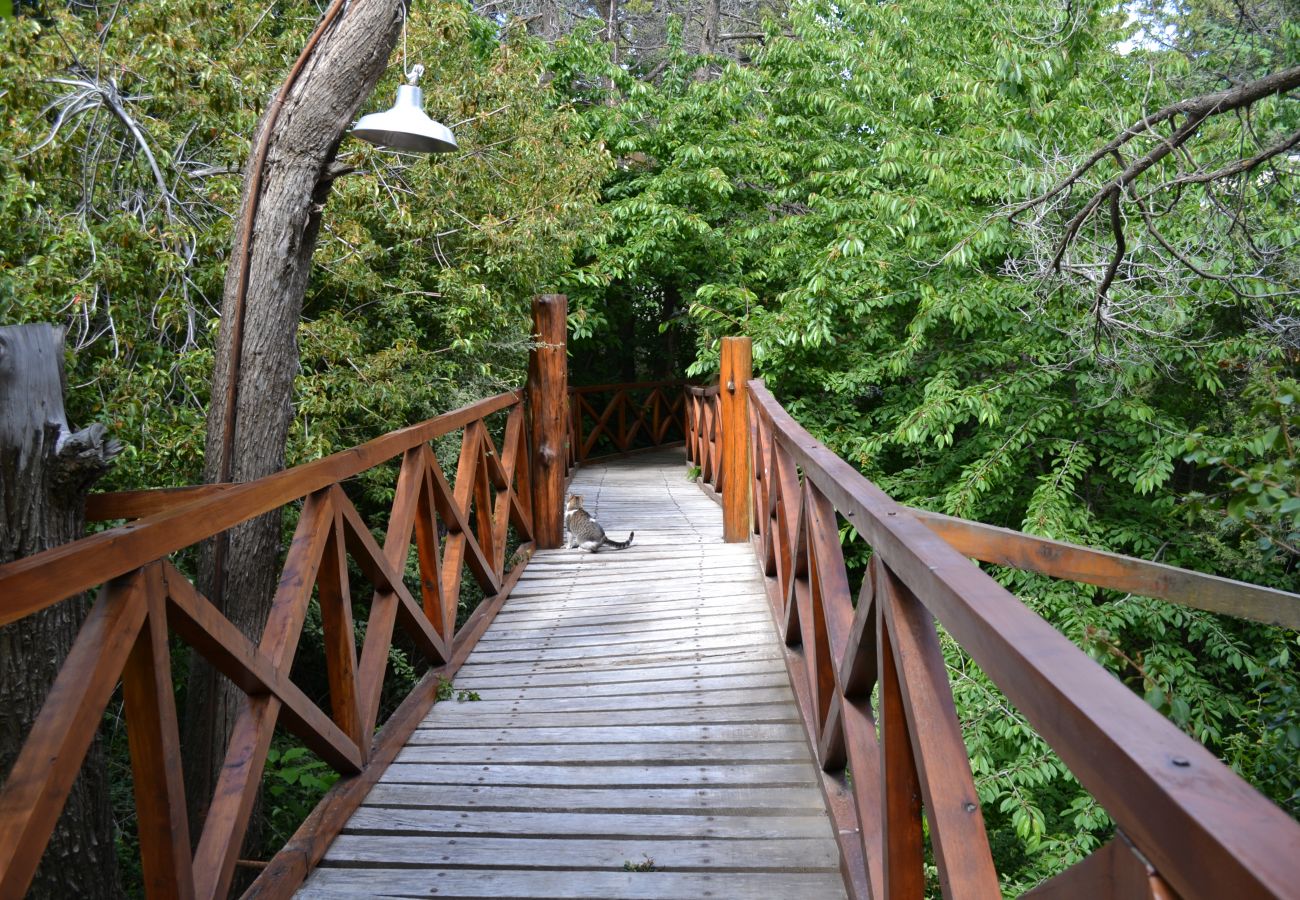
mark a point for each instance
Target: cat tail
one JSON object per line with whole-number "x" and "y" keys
{"x": 621, "y": 545}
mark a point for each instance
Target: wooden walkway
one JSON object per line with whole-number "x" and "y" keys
{"x": 636, "y": 736}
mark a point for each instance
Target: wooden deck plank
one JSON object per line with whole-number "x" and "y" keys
{"x": 665, "y": 600}
{"x": 737, "y": 668}
{"x": 669, "y": 799}
{"x": 758, "y": 712}
{"x": 512, "y": 689}
{"x": 581, "y": 754}
{"x": 620, "y": 592}
{"x": 628, "y": 734}
{"x": 534, "y": 884}
{"x": 591, "y": 775}
{"x": 634, "y": 704}
{"x": 585, "y": 703}
{"x": 563, "y": 638}
{"x": 387, "y": 821}
{"x": 666, "y": 606}
{"x": 543, "y": 653}
{"x": 612, "y": 575}
{"x": 579, "y": 853}
{"x": 489, "y": 653}
{"x": 631, "y": 623}
{"x": 599, "y": 667}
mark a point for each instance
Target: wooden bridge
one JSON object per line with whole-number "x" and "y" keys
{"x": 635, "y": 712}
{"x": 715, "y": 712}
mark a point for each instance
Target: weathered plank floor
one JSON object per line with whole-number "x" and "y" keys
{"x": 634, "y": 707}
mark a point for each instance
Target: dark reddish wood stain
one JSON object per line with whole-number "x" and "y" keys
{"x": 1115, "y": 872}
{"x": 900, "y": 786}
{"x": 961, "y": 847}
{"x": 548, "y": 400}
{"x": 1071, "y": 562}
{"x": 154, "y": 737}
{"x": 736, "y": 370}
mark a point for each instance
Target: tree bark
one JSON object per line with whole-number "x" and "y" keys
{"x": 668, "y": 360}
{"x": 712, "y": 18}
{"x": 709, "y": 30}
{"x": 339, "y": 74}
{"x": 611, "y": 34}
{"x": 46, "y": 470}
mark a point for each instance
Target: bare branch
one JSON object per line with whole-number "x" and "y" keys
{"x": 1117, "y": 226}
{"x": 1237, "y": 168}
{"x": 1197, "y": 110}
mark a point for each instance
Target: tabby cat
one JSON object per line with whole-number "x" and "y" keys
{"x": 584, "y": 531}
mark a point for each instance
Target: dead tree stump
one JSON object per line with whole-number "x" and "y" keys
{"x": 46, "y": 470}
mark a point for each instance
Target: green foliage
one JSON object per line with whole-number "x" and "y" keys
{"x": 92, "y": 240}
{"x": 292, "y": 783}
{"x": 419, "y": 299}
{"x": 840, "y": 199}
{"x": 1257, "y": 459}
{"x": 426, "y": 267}
{"x": 446, "y": 691}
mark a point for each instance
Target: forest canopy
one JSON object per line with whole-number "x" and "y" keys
{"x": 1028, "y": 263}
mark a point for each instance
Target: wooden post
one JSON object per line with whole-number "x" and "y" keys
{"x": 736, "y": 369}
{"x": 548, "y": 398}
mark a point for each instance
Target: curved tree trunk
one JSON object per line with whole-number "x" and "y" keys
{"x": 337, "y": 78}
{"x": 46, "y": 471}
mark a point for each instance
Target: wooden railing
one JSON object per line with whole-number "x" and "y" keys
{"x": 703, "y": 448}
{"x": 1186, "y": 825}
{"x": 145, "y": 598}
{"x": 609, "y": 419}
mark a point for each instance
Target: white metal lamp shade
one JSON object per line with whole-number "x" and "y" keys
{"x": 405, "y": 126}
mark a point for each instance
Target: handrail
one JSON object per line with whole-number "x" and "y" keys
{"x": 145, "y": 598}
{"x": 1186, "y": 822}
{"x": 30, "y": 584}
{"x": 1113, "y": 571}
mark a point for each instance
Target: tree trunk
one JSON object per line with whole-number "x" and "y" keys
{"x": 712, "y": 14}
{"x": 611, "y": 34}
{"x": 339, "y": 75}
{"x": 548, "y": 24}
{"x": 671, "y": 302}
{"x": 45, "y": 472}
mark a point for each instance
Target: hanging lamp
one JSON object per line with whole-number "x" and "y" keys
{"x": 405, "y": 126}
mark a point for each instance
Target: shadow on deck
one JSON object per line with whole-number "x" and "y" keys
{"x": 636, "y": 735}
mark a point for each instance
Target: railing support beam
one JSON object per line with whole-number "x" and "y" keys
{"x": 736, "y": 370}
{"x": 548, "y": 394}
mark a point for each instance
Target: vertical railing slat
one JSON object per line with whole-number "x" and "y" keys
{"x": 334, "y": 596}
{"x": 149, "y": 703}
{"x": 900, "y": 813}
